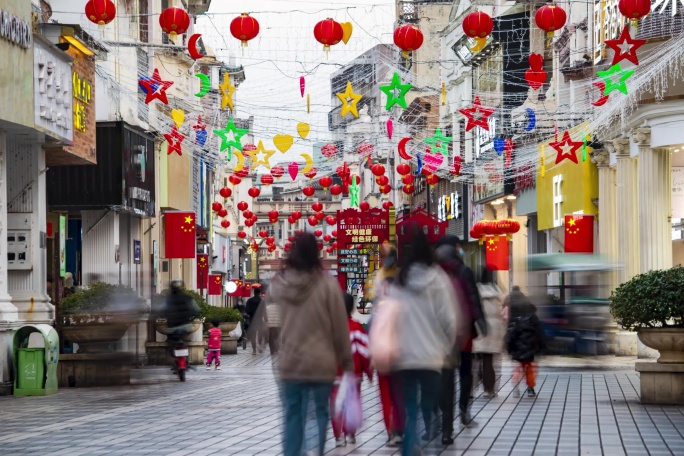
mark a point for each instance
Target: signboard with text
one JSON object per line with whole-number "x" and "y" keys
{"x": 357, "y": 227}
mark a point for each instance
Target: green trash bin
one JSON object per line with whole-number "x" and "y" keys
{"x": 36, "y": 352}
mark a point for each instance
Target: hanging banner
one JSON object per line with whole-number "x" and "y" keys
{"x": 62, "y": 245}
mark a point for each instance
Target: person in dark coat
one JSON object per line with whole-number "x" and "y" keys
{"x": 256, "y": 328}
{"x": 524, "y": 340}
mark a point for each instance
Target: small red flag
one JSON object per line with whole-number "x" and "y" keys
{"x": 497, "y": 253}
{"x": 202, "y": 271}
{"x": 215, "y": 284}
{"x": 579, "y": 234}
{"x": 179, "y": 234}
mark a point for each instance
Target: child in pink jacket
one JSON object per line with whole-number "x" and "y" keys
{"x": 214, "y": 345}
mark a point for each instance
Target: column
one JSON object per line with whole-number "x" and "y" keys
{"x": 8, "y": 312}
{"x": 607, "y": 216}
{"x": 655, "y": 205}
{"x": 627, "y": 212}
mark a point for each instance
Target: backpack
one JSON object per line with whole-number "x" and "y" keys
{"x": 383, "y": 340}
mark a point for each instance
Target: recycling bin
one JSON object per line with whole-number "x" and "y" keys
{"x": 36, "y": 352}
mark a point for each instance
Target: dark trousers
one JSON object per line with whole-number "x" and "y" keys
{"x": 273, "y": 340}
{"x": 428, "y": 382}
{"x": 465, "y": 374}
{"x": 447, "y": 401}
{"x": 487, "y": 373}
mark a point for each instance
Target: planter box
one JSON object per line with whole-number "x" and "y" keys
{"x": 94, "y": 369}
{"x": 95, "y": 337}
{"x": 661, "y": 383}
{"x": 668, "y": 341}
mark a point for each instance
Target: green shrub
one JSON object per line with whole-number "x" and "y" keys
{"x": 222, "y": 314}
{"x": 103, "y": 299}
{"x": 651, "y": 300}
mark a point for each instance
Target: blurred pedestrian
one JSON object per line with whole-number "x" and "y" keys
{"x": 361, "y": 358}
{"x": 214, "y": 345}
{"x": 274, "y": 322}
{"x": 486, "y": 347}
{"x": 524, "y": 340}
{"x": 314, "y": 340}
{"x": 255, "y": 325}
{"x": 426, "y": 332}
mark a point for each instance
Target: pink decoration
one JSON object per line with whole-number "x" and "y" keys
{"x": 293, "y": 169}
{"x": 302, "y": 85}
{"x": 390, "y": 128}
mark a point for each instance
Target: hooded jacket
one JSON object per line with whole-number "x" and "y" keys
{"x": 427, "y": 322}
{"x": 493, "y": 342}
{"x": 315, "y": 331}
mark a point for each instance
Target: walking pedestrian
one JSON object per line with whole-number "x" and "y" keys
{"x": 426, "y": 332}
{"x": 489, "y": 346}
{"x": 524, "y": 340}
{"x": 214, "y": 345}
{"x": 256, "y": 327}
{"x": 314, "y": 340}
{"x": 274, "y": 323}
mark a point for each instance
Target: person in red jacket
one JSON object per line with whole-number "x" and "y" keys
{"x": 214, "y": 345}
{"x": 362, "y": 365}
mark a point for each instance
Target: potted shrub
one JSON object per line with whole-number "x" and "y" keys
{"x": 158, "y": 303}
{"x": 96, "y": 316}
{"x": 228, "y": 317}
{"x": 652, "y": 304}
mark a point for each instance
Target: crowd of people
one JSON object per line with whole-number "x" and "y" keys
{"x": 431, "y": 318}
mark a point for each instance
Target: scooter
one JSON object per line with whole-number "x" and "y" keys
{"x": 181, "y": 353}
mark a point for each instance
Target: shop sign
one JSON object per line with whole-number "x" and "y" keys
{"x": 351, "y": 252}
{"x": 485, "y": 138}
{"x": 52, "y": 85}
{"x": 362, "y": 227}
{"x": 15, "y": 30}
{"x": 448, "y": 207}
{"x": 348, "y": 261}
{"x": 524, "y": 178}
{"x": 62, "y": 245}
{"x": 136, "y": 251}
{"x": 608, "y": 24}
{"x": 678, "y": 192}
{"x": 350, "y": 269}
{"x": 488, "y": 178}
{"x": 82, "y": 95}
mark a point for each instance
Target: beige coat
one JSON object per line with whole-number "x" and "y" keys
{"x": 492, "y": 307}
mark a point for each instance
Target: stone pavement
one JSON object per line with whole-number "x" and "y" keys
{"x": 586, "y": 407}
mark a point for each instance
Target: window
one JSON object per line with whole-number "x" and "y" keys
{"x": 558, "y": 200}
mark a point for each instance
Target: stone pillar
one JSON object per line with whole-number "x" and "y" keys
{"x": 607, "y": 216}
{"x": 627, "y": 212}
{"x": 655, "y": 204}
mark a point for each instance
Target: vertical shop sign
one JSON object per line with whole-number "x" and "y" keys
{"x": 62, "y": 245}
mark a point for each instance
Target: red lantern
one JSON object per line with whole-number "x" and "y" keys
{"x": 334, "y": 233}
{"x": 297, "y": 215}
{"x": 174, "y": 21}
{"x": 325, "y": 181}
{"x": 291, "y": 220}
{"x": 504, "y": 226}
{"x": 408, "y": 179}
{"x": 407, "y": 189}
{"x": 234, "y": 180}
{"x": 320, "y": 245}
{"x": 364, "y": 206}
{"x": 408, "y": 38}
{"x": 263, "y": 233}
{"x": 387, "y": 204}
{"x": 313, "y": 221}
{"x": 378, "y": 169}
{"x": 242, "y": 234}
{"x": 222, "y": 213}
{"x": 515, "y": 226}
{"x": 248, "y": 215}
{"x": 478, "y": 25}
{"x": 249, "y": 222}
{"x": 634, "y": 9}
{"x": 329, "y": 150}
{"x": 287, "y": 246}
{"x": 266, "y": 179}
{"x": 225, "y": 192}
{"x": 244, "y": 172}
{"x": 291, "y": 238}
{"x": 550, "y": 18}
{"x": 100, "y": 12}
{"x": 317, "y": 207}
{"x": 271, "y": 248}
{"x": 318, "y": 233}
{"x": 273, "y": 215}
{"x": 319, "y": 215}
{"x": 311, "y": 173}
{"x": 328, "y": 32}
{"x": 382, "y": 180}
{"x": 365, "y": 149}
{"x": 242, "y": 206}
{"x": 244, "y": 28}
{"x": 216, "y": 206}
{"x": 479, "y": 229}
{"x": 403, "y": 169}
{"x": 277, "y": 171}
{"x": 432, "y": 179}
{"x": 327, "y": 238}
{"x": 334, "y": 246}
{"x": 254, "y": 218}
{"x": 225, "y": 223}
{"x": 473, "y": 233}
{"x": 254, "y": 192}
{"x": 270, "y": 240}
{"x": 385, "y": 189}
{"x": 308, "y": 191}
{"x": 331, "y": 220}
{"x": 336, "y": 189}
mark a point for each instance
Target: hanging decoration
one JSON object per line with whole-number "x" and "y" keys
{"x": 174, "y": 140}
{"x": 260, "y": 156}
{"x": 254, "y": 192}
{"x": 227, "y": 90}
{"x": 566, "y": 142}
{"x": 439, "y": 143}
{"x": 377, "y": 169}
{"x": 230, "y": 137}
{"x": 244, "y": 28}
{"x": 302, "y": 85}
{"x": 401, "y": 148}
{"x": 625, "y": 47}
{"x": 222, "y": 212}
{"x": 499, "y": 144}
{"x": 329, "y": 151}
{"x": 387, "y": 204}
{"x": 317, "y": 206}
{"x": 431, "y": 162}
{"x": 390, "y": 128}
{"x": 242, "y": 206}
{"x": 509, "y": 146}
{"x": 309, "y": 163}
{"x": 174, "y": 21}
{"x": 100, "y": 12}
{"x": 403, "y": 169}
{"x": 335, "y": 189}
{"x": 496, "y": 258}
{"x": 443, "y": 93}
{"x": 479, "y": 26}
{"x": 308, "y": 103}
{"x": 408, "y": 179}
{"x": 550, "y": 18}
{"x": 155, "y": 88}
{"x": 277, "y": 171}
{"x": 531, "y": 119}
{"x": 293, "y": 170}
{"x": 477, "y": 115}
{"x": 216, "y": 206}
{"x": 303, "y": 129}
{"x": 205, "y": 85}
{"x": 349, "y": 101}
{"x": 234, "y": 180}
{"x": 603, "y": 98}
{"x": 267, "y": 179}
{"x": 622, "y": 76}
{"x": 347, "y": 29}
{"x": 225, "y": 192}
{"x": 365, "y": 149}
{"x": 364, "y": 206}
{"x": 308, "y": 191}
{"x": 455, "y": 168}
{"x": 325, "y": 181}
{"x": 328, "y": 32}
{"x": 408, "y": 38}
{"x": 634, "y": 10}
{"x": 407, "y": 189}
{"x": 311, "y": 173}
{"x": 283, "y": 142}
{"x": 354, "y": 192}
{"x": 432, "y": 180}
{"x": 385, "y": 189}
{"x": 313, "y": 221}
{"x": 396, "y": 92}
{"x": 178, "y": 117}
{"x": 579, "y": 234}
{"x": 535, "y": 75}
{"x": 192, "y": 46}
{"x": 419, "y": 164}
{"x": 225, "y": 223}
{"x": 240, "y": 166}
{"x": 200, "y": 132}
{"x": 273, "y": 216}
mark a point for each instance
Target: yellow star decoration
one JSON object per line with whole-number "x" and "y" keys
{"x": 492, "y": 245}
{"x": 569, "y": 229}
{"x": 260, "y": 156}
{"x": 227, "y": 91}
{"x": 189, "y": 221}
{"x": 349, "y": 100}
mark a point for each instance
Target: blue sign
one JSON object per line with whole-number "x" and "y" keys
{"x": 136, "y": 251}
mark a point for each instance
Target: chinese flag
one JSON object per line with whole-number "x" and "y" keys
{"x": 179, "y": 233}
{"x": 579, "y": 234}
{"x": 497, "y": 253}
{"x": 215, "y": 284}
{"x": 202, "y": 271}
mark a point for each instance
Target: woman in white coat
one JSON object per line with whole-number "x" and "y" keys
{"x": 493, "y": 343}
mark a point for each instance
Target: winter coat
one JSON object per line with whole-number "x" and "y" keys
{"x": 180, "y": 309}
{"x": 360, "y": 353}
{"x": 493, "y": 342}
{"x": 428, "y": 319}
{"x": 525, "y": 335}
{"x": 315, "y": 332}
{"x": 273, "y": 318}
{"x": 214, "y": 341}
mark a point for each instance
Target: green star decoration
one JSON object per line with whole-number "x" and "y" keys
{"x": 443, "y": 142}
{"x": 611, "y": 85}
{"x": 354, "y": 193}
{"x": 230, "y": 137}
{"x": 390, "y": 90}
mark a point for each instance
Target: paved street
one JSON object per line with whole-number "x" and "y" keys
{"x": 579, "y": 410}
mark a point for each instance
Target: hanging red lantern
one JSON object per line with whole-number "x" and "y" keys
{"x": 318, "y": 233}
{"x": 277, "y": 171}
{"x": 382, "y": 180}
{"x": 234, "y": 180}
{"x": 408, "y": 38}
{"x": 377, "y": 169}
{"x": 550, "y": 18}
{"x": 328, "y": 32}
{"x": 478, "y": 25}
{"x": 327, "y": 238}
{"x": 271, "y": 248}
{"x": 249, "y": 222}
{"x": 364, "y": 206}
{"x": 334, "y": 233}
{"x": 287, "y": 247}
{"x": 248, "y": 215}
{"x": 270, "y": 240}
{"x": 263, "y": 233}
{"x": 365, "y": 149}
{"x": 242, "y": 206}
{"x": 254, "y": 192}
{"x": 291, "y": 220}
{"x": 266, "y": 179}
{"x": 432, "y": 179}
{"x": 387, "y": 204}
{"x": 319, "y": 215}
{"x": 311, "y": 173}
{"x": 273, "y": 215}
{"x": 336, "y": 190}
{"x": 320, "y": 245}
{"x": 308, "y": 191}
{"x": 225, "y": 192}
{"x": 254, "y": 218}
{"x": 243, "y": 172}
{"x": 244, "y": 28}
{"x": 225, "y": 223}
{"x": 216, "y": 206}
{"x": 331, "y": 220}
{"x": 174, "y": 21}
{"x": 334, "y": 245}
{"x": 407, "y": 189}
{"x": 455, "y": 167}
{"x": 313, "y": 221}
{"x": 479, "y": 229}
{"x": 408, "y": 179}
{"x": 297, "y": 215}
{"x": 222, "y": 213}
{"x": 100, "y": 12}
{"x": 242, "y": 234}
{"x": 385, "y": 189}
{"x": 317, "y": 207}
{"x": 403, "y": 169}
{"x": 329, "y": 151}
{"x": 634, "y": 9}
{"x": 291, "y": 238}
{"x": 515, "y": 226}
{"x": 325, "y": 181}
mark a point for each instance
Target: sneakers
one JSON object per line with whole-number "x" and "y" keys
{"x": 340, "y": 442}
{"x": 530, "y": 392}
{"x": 489, "y": 394}
{"x": 218, "y": 368}
{"x": 516, "y": 392}
{"x": 352, "y": 439}
{"x": 395, "y": 441}
{"x": 466, "y": 419}
{"x": 208, "y": 367}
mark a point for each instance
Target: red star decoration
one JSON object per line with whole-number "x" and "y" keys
{"x": 625, "y": 40}
{"x": 174, "y": 139}
{"x": 156, "y": 88}
{"x": 477, "y": 115}
{"x": 565, "y": 142}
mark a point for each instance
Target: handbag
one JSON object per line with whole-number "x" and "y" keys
{"x": 383, "y": 343}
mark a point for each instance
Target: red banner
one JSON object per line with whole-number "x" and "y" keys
{"x": 202, "y": 271}
{"x": 497, "y": 253}
{"x": 215, "y": 284}
{"x": 362, "y": 227}
{"x": 179, "y": 234}
{"x": 579, "y": 234}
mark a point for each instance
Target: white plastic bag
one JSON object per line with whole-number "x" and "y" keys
{"x": 347, "y": 379}
{"x": 352, "y": 417}
{"x": 237, "y": 332}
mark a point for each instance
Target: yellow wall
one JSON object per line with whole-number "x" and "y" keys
{"x": 174, "y": 179}
{"x": 579, "y": 185}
